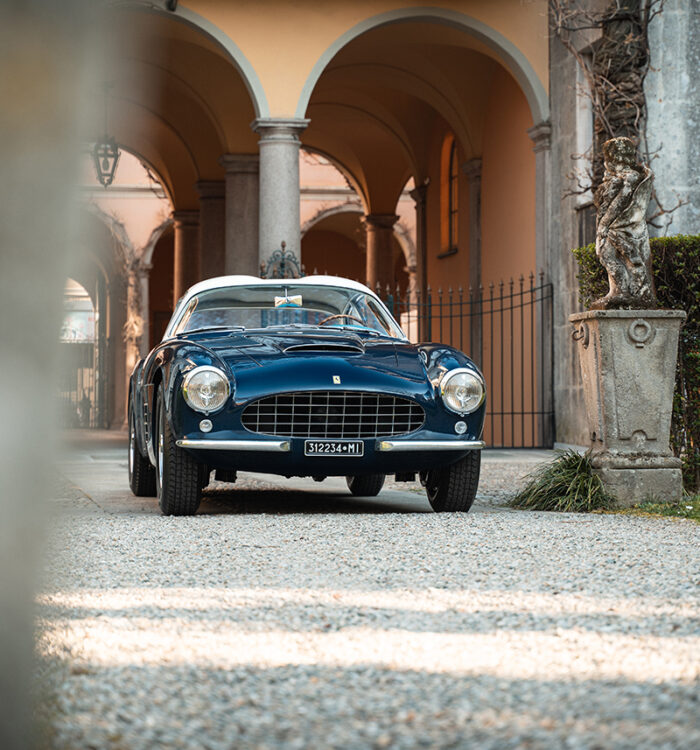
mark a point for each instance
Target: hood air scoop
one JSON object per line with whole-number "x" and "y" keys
{"x": 325, "y": 346}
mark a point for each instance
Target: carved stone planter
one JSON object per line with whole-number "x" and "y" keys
{"x": 628, "y": 364}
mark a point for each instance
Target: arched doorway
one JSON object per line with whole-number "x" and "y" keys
{"x": 431, "y": 95}
{"x": 84, "y": 347}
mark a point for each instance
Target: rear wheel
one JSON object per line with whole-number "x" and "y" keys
{"x": 367, "y": 485}
{"x": 178, "y": 476}
{"x": 142, "y": 476}
{"x": 453, "y": 487}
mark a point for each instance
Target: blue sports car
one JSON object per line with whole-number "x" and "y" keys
{"x": 300, "y": 377}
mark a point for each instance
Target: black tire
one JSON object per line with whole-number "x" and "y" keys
{"x": 367, "y": 485}
{"x": 178, "y": 475}
{"x": 453, "y": 488}
{"x": 142, "y": 475}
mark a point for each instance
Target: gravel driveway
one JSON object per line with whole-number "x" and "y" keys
{"x": 300, "y": 618}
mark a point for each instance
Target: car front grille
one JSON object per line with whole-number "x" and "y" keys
{"x": 333, "y": 414}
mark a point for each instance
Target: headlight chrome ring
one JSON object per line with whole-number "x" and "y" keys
{"x": 462, "y": 390}
{"x": 206, "y": 389}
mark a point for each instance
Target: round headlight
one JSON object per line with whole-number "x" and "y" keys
{"x": 462, "y": 391}
{"x": 206, "y": 389}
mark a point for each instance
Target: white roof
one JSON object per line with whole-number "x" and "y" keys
{"x": 220, "y": 282}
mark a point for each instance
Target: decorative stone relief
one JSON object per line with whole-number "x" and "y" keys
{"x": 622, "y": 238}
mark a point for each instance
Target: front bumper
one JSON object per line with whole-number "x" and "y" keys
{"x": 287, "y": 458}
{"x": 284, "y": 446}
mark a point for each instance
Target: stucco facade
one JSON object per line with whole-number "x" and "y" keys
{"x": 424, "y": 144}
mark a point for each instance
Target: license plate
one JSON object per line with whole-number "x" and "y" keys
{"x": 334, "y": 448}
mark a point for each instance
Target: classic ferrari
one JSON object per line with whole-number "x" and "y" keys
{"x": 300, "y": 377}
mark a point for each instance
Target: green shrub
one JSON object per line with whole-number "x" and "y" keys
{"x": 566, "y": 484}
{"x": 676, "y": 266}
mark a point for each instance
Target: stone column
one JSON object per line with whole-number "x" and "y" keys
{"x": 472, "y": 170}
{"x": 186, "y": 261}
{"x": 279, "y": 185}
{"x": 672, "y": 95}
{"x": 136, "y": 328}
{"x": 541, "y": 139}
{"x": 211, "y": 228}
{"x": 419, "y": 195}
{"x": 540, "y": 135}
{"x": 242, "y": 213}
{"x": 380, "y": 257}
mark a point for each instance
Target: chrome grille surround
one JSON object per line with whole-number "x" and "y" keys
{"x": 333, "y": 414}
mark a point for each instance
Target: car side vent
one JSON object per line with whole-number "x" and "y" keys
{"x": 324, "y": 347}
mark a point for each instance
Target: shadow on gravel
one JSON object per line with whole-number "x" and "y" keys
{"x": 364, "y": 706}
{"x": 285, "y": 502}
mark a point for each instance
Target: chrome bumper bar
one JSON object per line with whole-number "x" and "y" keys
{"x": 279, "y": 446}
{"x": 430, "y": 445}
{"x": 284, "y": 446}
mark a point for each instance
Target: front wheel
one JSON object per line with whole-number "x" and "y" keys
{"x": 178, "y": 475}
{"x": 453, "y": 487}
{"x": 367, "y": 485}
{"x": 142, "y": 476}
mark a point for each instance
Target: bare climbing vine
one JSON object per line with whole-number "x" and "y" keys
{"x": 614, "y": 67}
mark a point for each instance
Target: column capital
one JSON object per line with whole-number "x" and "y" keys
{"x": 279, "y": 129}
{"x": 472, "y": 169}
{"x": 240, "y": 163}
{"x": 380, "y": 221}
{"x": 143, "y": 270}
{"x": 419, "y": 193}
{"x": 186, "y": 218}
{"x": 211, "y": 188}
{"x": 541, "y": 136}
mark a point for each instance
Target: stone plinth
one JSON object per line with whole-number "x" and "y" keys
{"x": 628, "y": 365}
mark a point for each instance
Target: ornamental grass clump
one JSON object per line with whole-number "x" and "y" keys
{"x": 567, "y": 485}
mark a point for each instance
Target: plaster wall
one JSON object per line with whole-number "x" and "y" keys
{"x": 303, "y": 31}
{"x": 507, "y": 184}
{"x": 672, "y": 91}
{"x": 449, "y": 271}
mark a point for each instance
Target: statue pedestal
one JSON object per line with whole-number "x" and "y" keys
{"x": 628, "y": 365}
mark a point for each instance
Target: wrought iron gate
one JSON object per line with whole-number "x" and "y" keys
{"x": 507, "y": 330}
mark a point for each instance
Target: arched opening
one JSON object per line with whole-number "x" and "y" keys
{"x": 79, "y": 376}
{"x": 434, "y": 96}
{"x": 90, "y": 329}
{"x": 423, "y": 98}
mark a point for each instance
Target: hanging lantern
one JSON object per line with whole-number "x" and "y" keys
{"x": 106, "y": 152}
{"x": 106, "y": 156}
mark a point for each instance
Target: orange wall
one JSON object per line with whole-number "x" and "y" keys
{"x": 453, "y": 270}
{"x": 507, "y": 185}
{"x": 508, "y": 250}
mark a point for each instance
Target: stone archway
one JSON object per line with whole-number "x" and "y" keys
{"x": 216, "y": 34}
{"x": 517, "y": 62}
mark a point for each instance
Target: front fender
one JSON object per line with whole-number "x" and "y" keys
{"x": 166, "y": 368}
{"x": 440, "y": 359}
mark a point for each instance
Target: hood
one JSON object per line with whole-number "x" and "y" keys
{"x": 270, "y": 359}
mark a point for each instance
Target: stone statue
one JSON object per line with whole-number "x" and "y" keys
{"x": 622, "y": 239}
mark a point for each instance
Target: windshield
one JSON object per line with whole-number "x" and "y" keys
{"x": 287, "y": 304}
